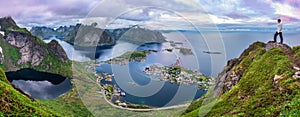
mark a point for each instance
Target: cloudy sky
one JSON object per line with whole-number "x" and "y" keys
{"x": 156, "y": 14}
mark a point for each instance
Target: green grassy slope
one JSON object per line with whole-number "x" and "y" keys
{"x": 13, "y": 103}
{"x": 257, "y": 94}
{"x": 68, "y": 105}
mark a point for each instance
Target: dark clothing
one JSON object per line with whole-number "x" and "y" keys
{"x": 275, "y": 37}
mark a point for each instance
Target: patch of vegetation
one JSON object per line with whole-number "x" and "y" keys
{"x": 137, "y": 55}
{"x": 174, "y": 71}
{"x": 109, "y": 91}
{"x": 185, "y": 51}
{"x": 138, "y": 106}
{"x": 68, "y": 104}
{"x": 67, "y": 109}
{"x": 53, "y": 65}
{"x": 292, "y": 108}
{"x": 10, "y": 52}
{"x": 193, "y": 106}
{"x": 297, "y": 51}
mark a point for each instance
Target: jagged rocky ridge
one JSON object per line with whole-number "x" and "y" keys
{"x": 89, "y": 35}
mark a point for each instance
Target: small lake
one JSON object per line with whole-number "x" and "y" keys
{"x": 40, "y": 85}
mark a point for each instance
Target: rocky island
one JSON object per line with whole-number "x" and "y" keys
{"x": 138, "y": 55}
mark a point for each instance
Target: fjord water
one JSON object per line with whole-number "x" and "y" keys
{"x": 234, "y": 42}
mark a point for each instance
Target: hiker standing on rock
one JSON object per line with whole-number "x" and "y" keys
{"x": 279, "y": 31}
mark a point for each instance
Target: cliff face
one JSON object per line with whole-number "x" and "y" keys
{"x": 263, "y": 81}
{"x": 23, "y": 50}
{"x": 30, "y": 50}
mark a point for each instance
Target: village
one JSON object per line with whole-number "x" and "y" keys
{"x": 114, "y": 94}
{"x": 179, "y": 75}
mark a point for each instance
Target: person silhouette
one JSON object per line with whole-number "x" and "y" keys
{"x": 279, "y": 31}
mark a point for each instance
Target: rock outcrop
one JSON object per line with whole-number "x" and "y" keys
{"x": 30, "y": 50}
{"x": 33, "y": 50}
{"x": 7, "y": 22}
{"x": 297, "y": 73}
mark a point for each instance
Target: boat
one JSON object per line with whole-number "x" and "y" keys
{"x": 211, "y": 52}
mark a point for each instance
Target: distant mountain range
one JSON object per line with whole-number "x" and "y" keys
{"x": 90, "y": 35}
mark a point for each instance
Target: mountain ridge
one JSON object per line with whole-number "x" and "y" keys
{"x": 261, "y": 82}
{"x": 23, "y": 50}
{"x": 77, "y": 34}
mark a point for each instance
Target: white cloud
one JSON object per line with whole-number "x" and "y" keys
{"x": 153, "y": 13}
{"x": 285, "y": 10}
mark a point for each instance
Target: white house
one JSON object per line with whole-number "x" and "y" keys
{"x": 2, "y": 33}
{"x": 2, "y": 55}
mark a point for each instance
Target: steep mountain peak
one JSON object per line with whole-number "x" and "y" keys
{"x": 7, "y": 22}
{"x": 58, "y": 51}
